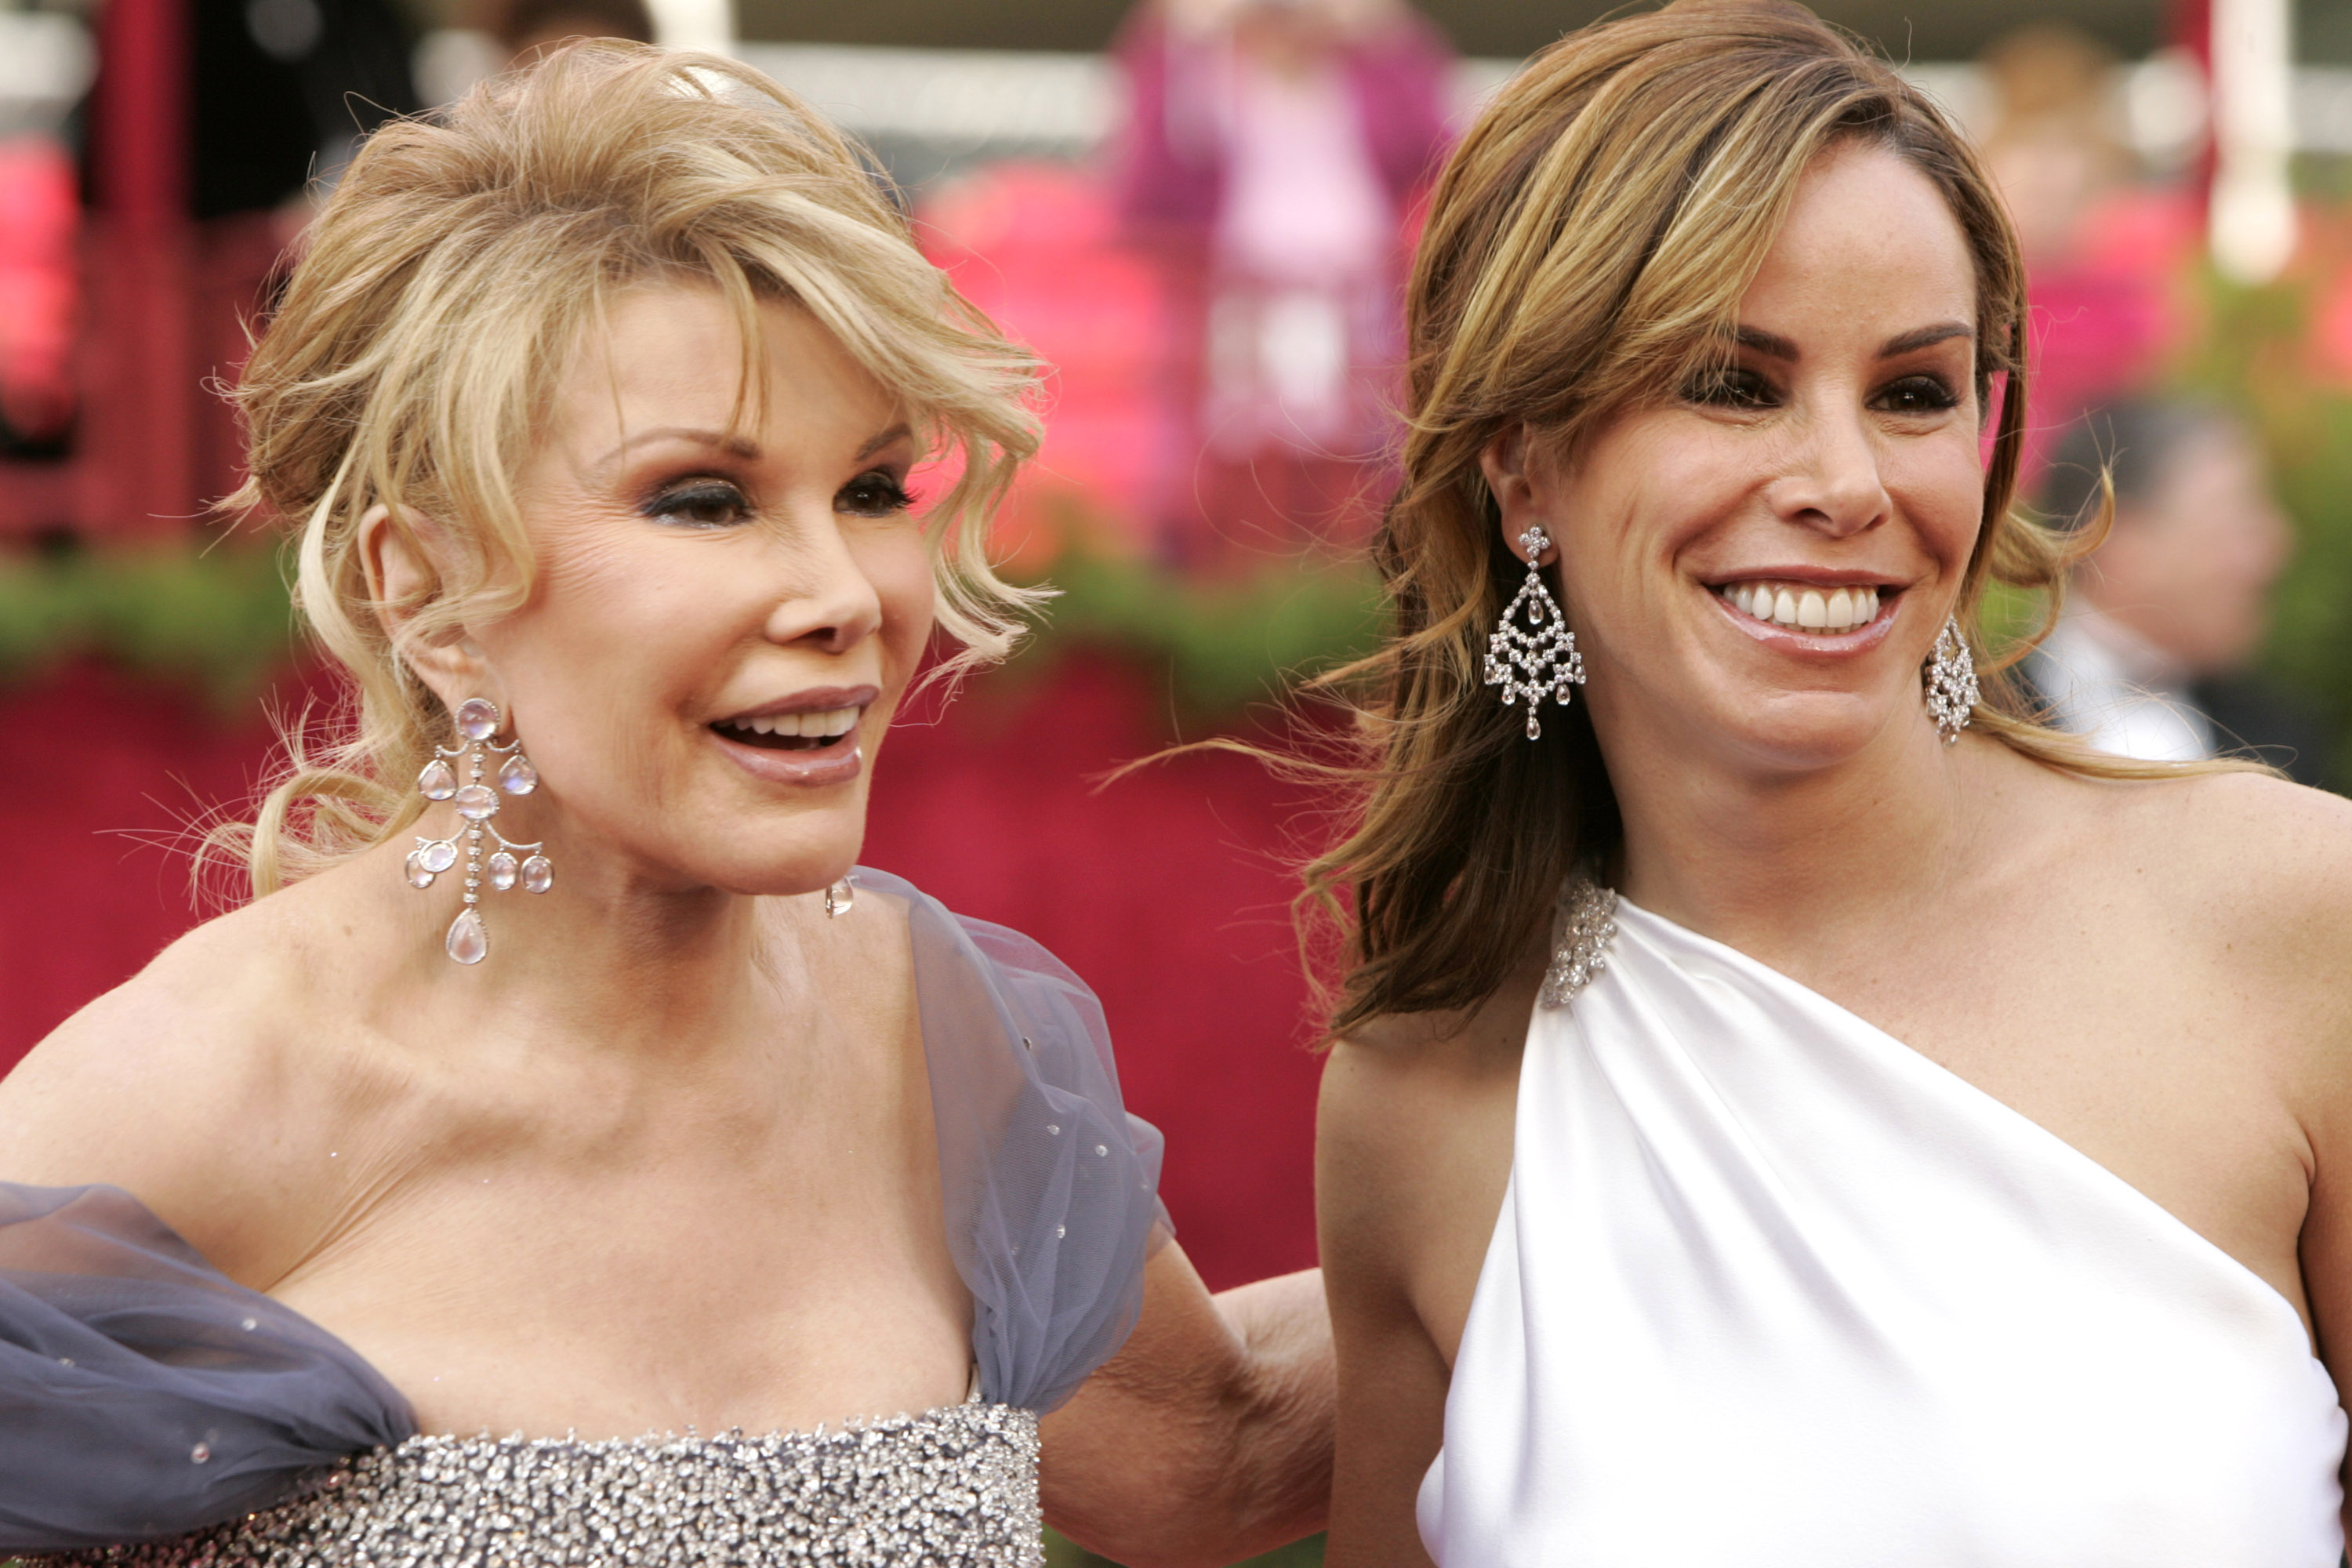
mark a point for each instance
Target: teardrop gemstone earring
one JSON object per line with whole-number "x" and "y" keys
{"x": 478, "y": 719}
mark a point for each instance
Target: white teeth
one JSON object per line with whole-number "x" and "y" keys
{"x": 1804, "y": 609}
{"x": 831, "y": 722}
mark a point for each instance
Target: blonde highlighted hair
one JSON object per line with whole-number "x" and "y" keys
{"x": 445, "y": 286}
{"x": 1586, "y": 252}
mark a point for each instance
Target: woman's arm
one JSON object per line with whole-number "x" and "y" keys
{"x": 1391, "y": 1417}
{"x": 2295, "y": 876}
{"x": 1208, "y": 1437}
{"x": 1413, "y": 1153}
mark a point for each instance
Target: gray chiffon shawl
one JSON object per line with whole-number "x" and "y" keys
{"x": 143, "y": 1395}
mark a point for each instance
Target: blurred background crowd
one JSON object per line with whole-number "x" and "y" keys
{"x": 1199, "y": 212}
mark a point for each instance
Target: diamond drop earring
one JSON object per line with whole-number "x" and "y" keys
{"x": 1951, "y": 676}
{"x": 476, "y": 802}
{"x": 1542, "y": 657}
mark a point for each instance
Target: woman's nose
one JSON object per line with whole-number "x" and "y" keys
{"x": 1832, "y": 483}
{"x": 828, "y": 599}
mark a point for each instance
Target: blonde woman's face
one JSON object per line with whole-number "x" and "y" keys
{"x": 1758, "y": 569}
{"x": 721, "y": 627}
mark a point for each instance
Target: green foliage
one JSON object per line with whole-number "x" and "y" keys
{"x": 1223, "y": 645}
{"x": 220, "y": 621}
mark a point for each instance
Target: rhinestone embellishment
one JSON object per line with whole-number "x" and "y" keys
{"x": 1581, "y": 931}
{"x": 1541, "y": 659}
{"x": 1952, "y": 690}
{"x": 957, "y": 1486}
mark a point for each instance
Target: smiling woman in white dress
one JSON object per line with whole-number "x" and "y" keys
{"x": 1790, "y": 1109}
{"x": 564, "y": 1156}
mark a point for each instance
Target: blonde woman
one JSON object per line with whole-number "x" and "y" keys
{"x": 565, "y": 1156}
{"x": 1791, "y": 1108}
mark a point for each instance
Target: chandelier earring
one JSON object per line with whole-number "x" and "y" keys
{"x": 1539, "y": 659}
{"x": 1951, "y": 678}
{"x": 476, "y": 804}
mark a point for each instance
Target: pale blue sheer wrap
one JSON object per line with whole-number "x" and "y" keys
{"x": 143, "y": 1395}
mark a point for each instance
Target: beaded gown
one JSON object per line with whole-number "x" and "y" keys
{"x": 154, "y": 1412}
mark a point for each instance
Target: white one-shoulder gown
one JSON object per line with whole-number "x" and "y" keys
{"x": 1770, "y": 1290}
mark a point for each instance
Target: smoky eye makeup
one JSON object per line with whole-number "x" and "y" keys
{"x": 703, "y": 501}
{"x": 1918, "y": 393}
{"x": 877, "y": 492}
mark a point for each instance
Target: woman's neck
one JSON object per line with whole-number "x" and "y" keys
{"x": 1773, "y": 859}
{"x": 608, "y": 960}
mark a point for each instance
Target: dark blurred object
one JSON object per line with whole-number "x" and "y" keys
{"x": 1269, "y": 159}
{"x": 208, "y": 127}
{"x": 283, "y": 92}
{"x": 2255, "y": 718}
{"x": 525, "y": 26}
{"x": 2152, "y": 657}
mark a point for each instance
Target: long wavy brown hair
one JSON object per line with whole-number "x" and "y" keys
{"x": 1586, "y": 251}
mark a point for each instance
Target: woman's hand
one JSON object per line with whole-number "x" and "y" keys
{"x": 1208, "y": 1437}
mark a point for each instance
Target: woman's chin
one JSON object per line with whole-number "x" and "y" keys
{"x": 1808, "y": 731}
{"x": 796, "y": 878}
{"x": 752, "y": 869}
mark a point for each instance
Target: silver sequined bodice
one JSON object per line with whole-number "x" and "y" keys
{"x": 955, "y": 1486}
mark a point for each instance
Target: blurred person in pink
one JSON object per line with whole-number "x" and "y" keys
{"x": 40, "y": 221}
{"x": 2151, "y": 658}
{"x": 2102, "y": 244}
{"x": 1271, "y": 154}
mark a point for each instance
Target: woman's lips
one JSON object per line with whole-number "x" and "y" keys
{"x": 809, "y": 738}
{"x": 837, "y": 760}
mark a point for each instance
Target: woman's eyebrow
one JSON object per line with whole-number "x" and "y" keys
{"x": 898, "y": 432}
{"x": 1770, "y": 344}
{"x": 1774, "y": 346}
{"x": 734, "y": 446}
{"x": 1925, "y": 337}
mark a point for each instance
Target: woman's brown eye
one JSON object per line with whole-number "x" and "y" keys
{"x": 705, "y": 505}
{"x": 877, "y": 494}
{"x": 1918, "y": 395}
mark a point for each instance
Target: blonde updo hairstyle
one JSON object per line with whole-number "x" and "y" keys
{"x": 1585, "y": 253}
{"x": 446, "y": 289}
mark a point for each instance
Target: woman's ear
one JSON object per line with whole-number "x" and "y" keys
{"x": 1519, "y": 481}
{"x": 402, "y": 568}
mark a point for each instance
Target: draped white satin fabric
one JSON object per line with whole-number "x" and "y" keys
{"x": 1769, "y": 1289}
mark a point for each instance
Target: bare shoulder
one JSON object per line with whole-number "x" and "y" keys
{"x": 2267, "y": 863}
{"x": 1398, "y": 1092}
{"x": 2241, "y": 878}
{"x": 1413, "y": 1144}
{"x": 170, "y": 1085}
